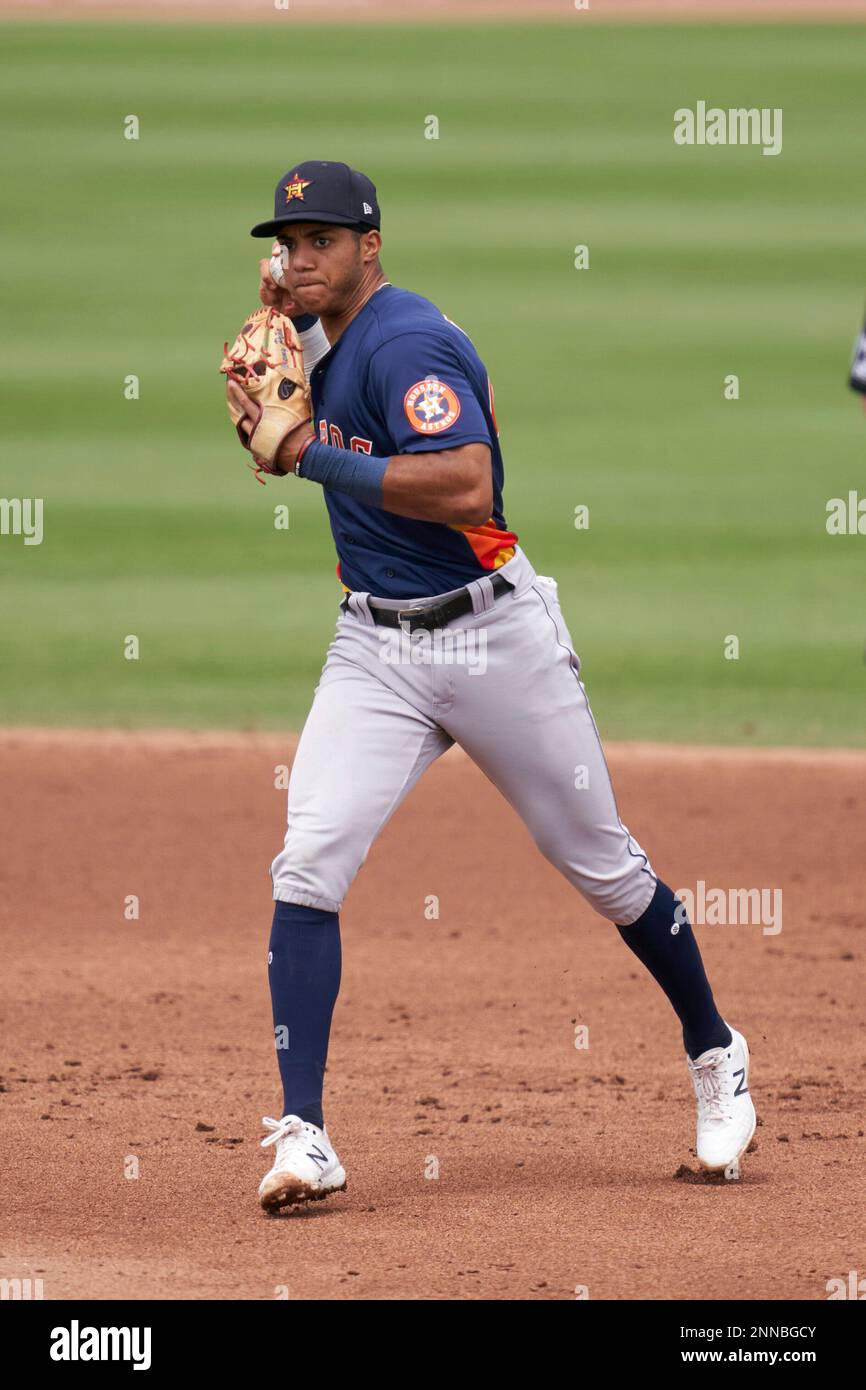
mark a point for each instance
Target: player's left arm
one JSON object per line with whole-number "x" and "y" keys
{"x": 454, "y": 486}
{"x": 440, "y": 467}
{"x": 450, "y": 485}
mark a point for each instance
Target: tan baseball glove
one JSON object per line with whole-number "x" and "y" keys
{"x": 266, "y": 360}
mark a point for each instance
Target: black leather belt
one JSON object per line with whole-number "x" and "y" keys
{"x": 433, "y": 615}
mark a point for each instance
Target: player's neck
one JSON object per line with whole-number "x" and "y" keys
{"x": 336, "y": 325}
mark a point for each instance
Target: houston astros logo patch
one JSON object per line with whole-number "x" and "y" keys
{"x": 295, "y": 188}
{"x": 431, "y": 406}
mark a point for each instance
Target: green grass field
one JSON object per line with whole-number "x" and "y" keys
{"x": 706, "y": 515}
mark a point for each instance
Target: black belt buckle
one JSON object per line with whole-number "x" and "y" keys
{"x": 436, "y": 615}
{"x": 415, "y": 618}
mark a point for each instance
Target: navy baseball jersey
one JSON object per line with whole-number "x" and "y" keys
{"x": 403, "y": 379}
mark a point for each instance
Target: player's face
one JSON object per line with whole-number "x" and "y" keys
{"x": 325, "y": 267}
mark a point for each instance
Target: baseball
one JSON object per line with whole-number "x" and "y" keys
{"x": 278, "y": 263}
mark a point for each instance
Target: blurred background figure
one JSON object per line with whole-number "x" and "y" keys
{"x": 857, "y": 379}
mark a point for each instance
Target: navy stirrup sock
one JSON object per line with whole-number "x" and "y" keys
{"x": 674, "y": 961}
{"x": 304, "y": 963}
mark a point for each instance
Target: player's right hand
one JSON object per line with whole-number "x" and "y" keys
{"x": 272, "y": 295}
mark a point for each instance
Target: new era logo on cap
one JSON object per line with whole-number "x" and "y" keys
{"x": 322, "y": 190}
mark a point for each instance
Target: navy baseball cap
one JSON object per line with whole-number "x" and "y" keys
{"x": 322, "y": 191}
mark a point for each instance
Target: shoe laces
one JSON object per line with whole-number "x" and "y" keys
{"x": 707, "y": 1077}
{"x": 289, "y": 1127}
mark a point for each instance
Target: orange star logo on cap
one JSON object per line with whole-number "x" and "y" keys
{"x": 295, "y": 187}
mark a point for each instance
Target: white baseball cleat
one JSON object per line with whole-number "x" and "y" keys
{"x": 726, "y": 1115}
{"x": 305, "y": 1167}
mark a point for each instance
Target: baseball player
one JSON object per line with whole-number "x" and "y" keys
{"x": 857, "y": 375}
{"x": 445, "y": 635}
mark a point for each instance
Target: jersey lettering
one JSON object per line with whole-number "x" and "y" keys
{"x": 358, "y": 444}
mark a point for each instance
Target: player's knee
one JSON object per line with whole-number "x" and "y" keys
{"x": 622, "y": 899}
{"x": 313, "y": 876}
{"x": 620, "y": 893}
{"x": 309, "y": 884}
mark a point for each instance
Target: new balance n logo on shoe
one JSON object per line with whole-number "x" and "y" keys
{"x": 317, "y": 1156}
{"x": 742, "y": 1088}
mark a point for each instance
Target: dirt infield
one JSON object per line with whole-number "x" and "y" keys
{"x": 147, "y": 1042}
{"x": 325, "y": 12}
